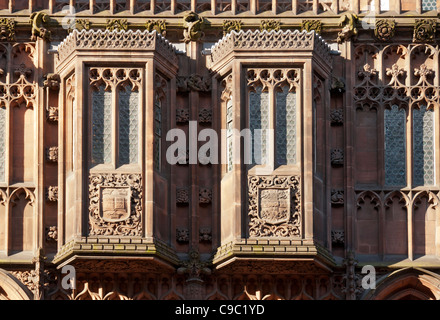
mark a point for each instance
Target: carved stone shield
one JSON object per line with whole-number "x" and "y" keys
{"x": 274, "y": 205}
{"x": 115, "y": 204}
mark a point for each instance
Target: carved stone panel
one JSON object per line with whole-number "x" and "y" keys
{"x": 115, "y": 205}
{"x": 274, "y": 206}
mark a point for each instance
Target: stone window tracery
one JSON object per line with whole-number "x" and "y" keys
{"x": 272, "y": 115}
{"x": 115, "y": 100}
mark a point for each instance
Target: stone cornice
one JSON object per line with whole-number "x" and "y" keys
{"x": 100, "y": 40}
{"x": 269, "y": 41}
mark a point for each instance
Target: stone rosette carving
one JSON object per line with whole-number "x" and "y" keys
{"x": 205, "y": 115}
{"x": 205, "y": 195}
{"x": 270, "y": 25}
{"x": 310, "y": 25}
{"x": 182, "y": 196}
{"x": 424, "y": 30}
{"x": 182, "y": 234}
{"x": 274, "y": 206}
{"x": 337, "y": 117}
{"x": 115, "y": 204}
{"x": 385, "y": 29}
{"x": 39, "y": 22}
{"x": 158, "y": 25}
{"x": 337, "y": 197}
{"x": 194, "y": 25}
{"x": 182, "y": 115}
{"x": 229, "y": 25}
{"x": 7, "y": 29}
{"x": 205, "y": 234}
{"x": 337, "y": 157}
{"x": 52, "y": 193}
{"x": 338, "y": 237}
{"x": 52, "y": 154}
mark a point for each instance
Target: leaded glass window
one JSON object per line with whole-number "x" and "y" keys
{"x": 2, "y": 142}
{"x": 428, "y": 5}
{"x": 229, "y": 132}
{"x": 101, "y": 126}
{"x": 259, "y": 123}
{"x": 157, "y": 132}
{"x": 395, "y": 147}
{"x": 285, "y": 138}
{"x": 423, "y": 146}
{"x": 128, "y": 125}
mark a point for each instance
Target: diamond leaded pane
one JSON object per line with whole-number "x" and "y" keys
{"x": 229, "y": 131}
{"x": 128, "y": 126}
{"x": 157, "y": 132}
{"x": 395, "y": 168}
{"x": 423, "y": 140}
{"x": 2, "y": 142}
{"x": 428, "y": 5}
{"x": 259, "y": 123}
{"x": 101, "y": 126}
{"x": 285, "y": 127}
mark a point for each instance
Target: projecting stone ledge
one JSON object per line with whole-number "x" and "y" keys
{"x": 82, "y": 252}
{"x": 280, "y": 256}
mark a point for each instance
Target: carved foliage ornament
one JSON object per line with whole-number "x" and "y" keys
{"x": 229, "y": 25}
{"x": 7, "y": 29}
{"x": 270, "y": 25}
{"x": 115, "y": 206}
{"x": 274, "y": 206}
{"x": 158, "y": 25}
{"x": 424, "y": 30}
{"x": 310, "y": 25}
{"x": 52, "y": 154}
{"x": 78, "y": 24}
{"x": 52, "y": 193}
{"x": 117, "y": 24}
{"x": 193, "y": 82}
{"x": 385, "y": 29}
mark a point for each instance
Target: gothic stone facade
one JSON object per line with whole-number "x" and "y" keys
{"x": 349, "y": 91}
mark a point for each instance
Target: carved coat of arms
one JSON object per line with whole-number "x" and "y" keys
{"x": 115, "y": 204}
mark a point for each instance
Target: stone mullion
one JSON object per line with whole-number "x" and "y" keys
{"x": 39, "y": 155}
{"x": 349, "y": 125}
{"x": 295, "y": 6}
